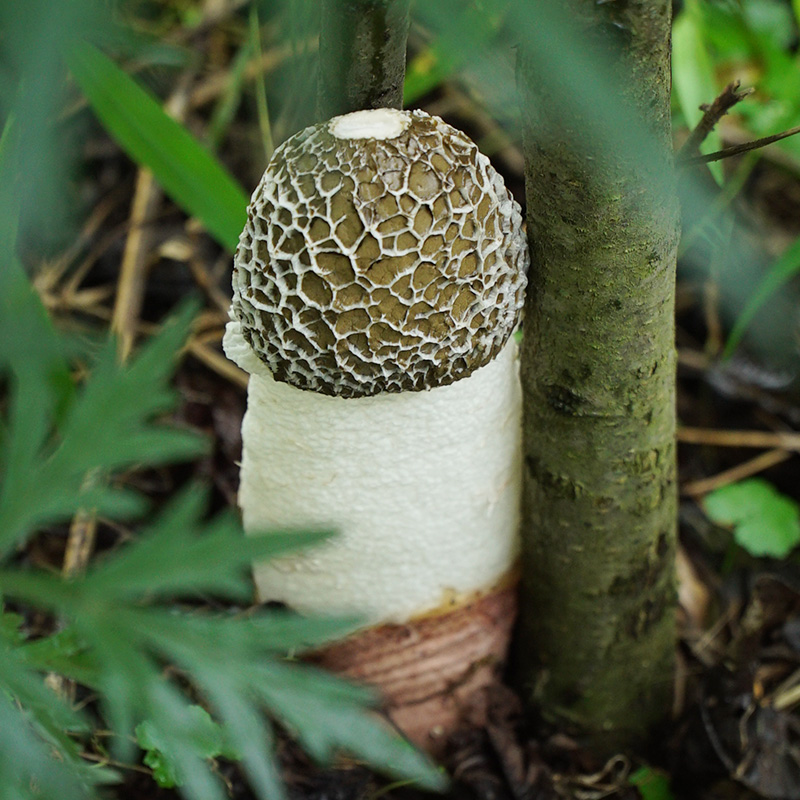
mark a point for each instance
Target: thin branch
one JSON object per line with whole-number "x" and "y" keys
{"x": 727, "y": 438}
{"x": 713, "y": 113}
{"x": 737, "y": 473}
{"x": 362, "y": 52}
{"x": 736, "y": 150}
{"x": 136, "y": 257}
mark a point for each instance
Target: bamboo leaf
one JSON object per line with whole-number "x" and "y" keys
{"x": 193, "y": 178}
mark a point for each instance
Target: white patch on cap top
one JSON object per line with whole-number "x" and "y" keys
{"x": 378, "y": 123}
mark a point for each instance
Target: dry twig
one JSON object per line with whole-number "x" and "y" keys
{"x": 712, "y": 114}
{"x": 737, "y": 473}
{"x": 724, "y": 438}
{"x": 738, "y": 149}
{"x": 138, "y": 247}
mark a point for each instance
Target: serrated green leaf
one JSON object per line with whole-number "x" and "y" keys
{"x": 193, "y": 178}
{"x": 249, "y": 733}
{"x": 48, "y": 711}
{"x": 164, "y": 772}
{"x": 320, "y": 712}
{"x": 180, "y": 733}
{"x": 117, "y": 633}
{"x": 179, "y": 554}
{"x": 10, "y": 627}
{"x": 765, "y": 522}
{"x": 109, "y": 425}
{"x": 27, "y": 759}
{"x": 63, "y": 653}
{"x": 206, "y": 737}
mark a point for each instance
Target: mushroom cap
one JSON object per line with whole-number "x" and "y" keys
{"x": 382, "y": 253}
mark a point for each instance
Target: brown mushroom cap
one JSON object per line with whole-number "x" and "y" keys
{"x": 372, "y": 265}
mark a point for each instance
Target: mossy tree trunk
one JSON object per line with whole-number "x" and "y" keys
{"x": 597, "y": 622}
{"x": 362, "y": 55}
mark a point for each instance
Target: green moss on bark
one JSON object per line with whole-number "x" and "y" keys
{"x": 362, "y": 55}
{"x": 598, "y": 367}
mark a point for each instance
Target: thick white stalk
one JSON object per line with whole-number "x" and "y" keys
{"x": 422, "y": 489}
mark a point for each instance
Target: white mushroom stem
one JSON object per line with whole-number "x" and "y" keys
{"x": 421, "y": 487}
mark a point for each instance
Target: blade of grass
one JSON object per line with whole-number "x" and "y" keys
{"x": 786, "y": 267}
{"x": 192, "y": 177}
{"x": 260, "y": 87}
{"x": 226, "y": 107}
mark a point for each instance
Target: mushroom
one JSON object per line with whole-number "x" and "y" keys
{"x": 377, "y": 285}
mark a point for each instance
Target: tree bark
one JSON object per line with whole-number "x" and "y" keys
{"x": 362, "y": 55}
{"x": 598, "y": 368}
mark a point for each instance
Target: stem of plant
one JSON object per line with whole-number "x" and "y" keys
{"x": 362, "y": 53}
{"x": 597, "y": 634}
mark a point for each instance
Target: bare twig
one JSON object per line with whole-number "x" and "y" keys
{"x": 738, "y": 149}
{"x": 137, "y": 254}
{"x": 80, "y": 543}
{"x": 712, "y": 114}
{"x": 215, "y": 84}
{"x": 737, "y": 473}
{"x": 215, "y": 361}
{"x": 135, "y": 259}
{"x": 784, "y": 441}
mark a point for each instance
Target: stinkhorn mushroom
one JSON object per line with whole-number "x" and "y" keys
{"x": 376, "y": 287}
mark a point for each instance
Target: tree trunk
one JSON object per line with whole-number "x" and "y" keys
{"x": 362, "y": 55}
{"x": 597, "y": 630}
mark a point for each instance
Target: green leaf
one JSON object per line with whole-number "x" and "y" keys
{"x": 321, "y": 713}
{"x": 35, "y": 724}
{"x": 41, "y": 388}
{"x": 465, "y": 32}
{"x": 765, "y": 522}
{"x": 193, "y": 178}
{"x": 26, "y": 760}
{"x": 63, "y": 653}
{"x": 109, "y": 425}
{"x": 117, "y": 633}
{"x": 652, "y": 784}
{"x": 780, "y": 273}
{"x": 170, "y": 557}
{"x": 10, "y": 625}
{"x": 208, "y": 741}
{"x": 693, "y": 75}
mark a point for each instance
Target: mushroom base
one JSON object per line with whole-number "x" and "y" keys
{"x": 434, "y": 670}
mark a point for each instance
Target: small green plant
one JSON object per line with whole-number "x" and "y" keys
{"x": 764, "y": 521}
{"x": 115, "y": 629}
{"x": 209, "y": 743}
{"x": 652, "y": 784}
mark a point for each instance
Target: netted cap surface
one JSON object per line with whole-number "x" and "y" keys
{"x": 373, "y": 264}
